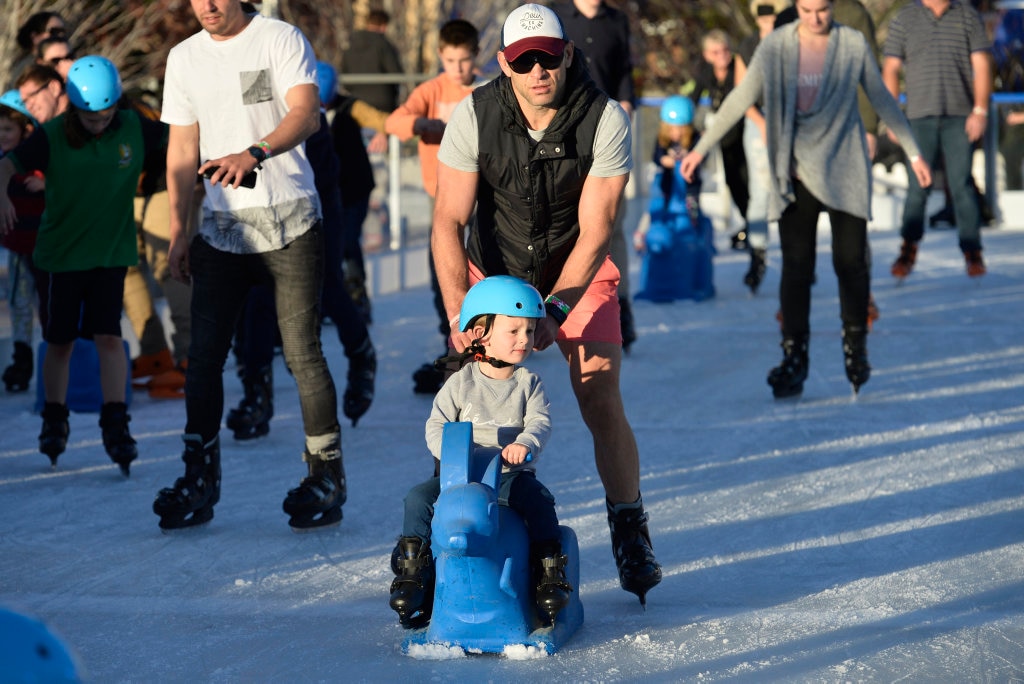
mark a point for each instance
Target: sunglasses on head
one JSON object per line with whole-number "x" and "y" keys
{"x": 523, "y": 64}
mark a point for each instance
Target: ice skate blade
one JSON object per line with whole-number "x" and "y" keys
{"x": 247, "y": 435}
{"x": 303, "y": 525}
{"x": 176, "y": 525}
{"x": 788, "y": 394}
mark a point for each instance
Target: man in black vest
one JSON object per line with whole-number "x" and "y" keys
{"x": 547, "y": 179}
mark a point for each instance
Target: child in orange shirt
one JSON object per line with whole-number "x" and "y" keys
{"x": 425, "y": 114}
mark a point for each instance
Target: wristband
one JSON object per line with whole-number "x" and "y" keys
{"x": 265, "y": 146}
{"x": 258, "y": 154}
{"x": 453, "y": 321}
{"x": 980, "y": 110}
{"x": 557, "y": 309}
{"x": 914, "y": 158}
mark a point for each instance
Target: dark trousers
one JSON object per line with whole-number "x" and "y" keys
{"x": 945, "y": 136}
{"x": 519, "y": 490}
{"x": 734, "y": 161}
{"x": 798, "y": 234}
{"x": 220, "y": 283}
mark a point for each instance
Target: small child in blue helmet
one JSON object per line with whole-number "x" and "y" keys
{"x": 676, "y": 136}
{"x": 494, "y": 390}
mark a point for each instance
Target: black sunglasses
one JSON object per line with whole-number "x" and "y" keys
{"x": 54, "y": 62}
{"x": 523, "y": 64}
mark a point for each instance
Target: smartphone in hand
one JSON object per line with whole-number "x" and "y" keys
{"x": 248, "y": 180}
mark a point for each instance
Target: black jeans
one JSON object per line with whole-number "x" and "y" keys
{"x": 220, "y": 283}
{"x": 798, "y": 233}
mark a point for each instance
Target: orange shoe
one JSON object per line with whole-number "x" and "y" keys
{"x": 168, "y": 385}
{"x": 904, "y": 263}
{"x": 873, "y": 313}
{"x": 975, "y": 264}
{"x": 147, "y": 365}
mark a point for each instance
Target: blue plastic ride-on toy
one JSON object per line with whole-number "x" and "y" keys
{"x": 677, "y": 263}
{"x": 483, "y": 598}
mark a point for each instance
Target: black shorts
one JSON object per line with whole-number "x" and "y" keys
{"x": 84, "y": 304}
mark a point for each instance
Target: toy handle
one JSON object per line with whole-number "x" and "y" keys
{"x": 528, "y": 459}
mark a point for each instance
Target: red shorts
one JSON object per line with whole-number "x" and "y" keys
{"x": 595, "y": 318}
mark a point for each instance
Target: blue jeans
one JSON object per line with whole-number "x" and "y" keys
{"x": 519, "y": 490}
{"x": 220, "y": 283}
{"x": 944, "y": 135}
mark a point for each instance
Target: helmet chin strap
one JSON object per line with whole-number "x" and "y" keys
{"x": 474, "y": 352}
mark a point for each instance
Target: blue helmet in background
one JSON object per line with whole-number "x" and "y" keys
{"x": 94, "y": 84}
{"x": 30, "y": 652}
{"x": 501, "y": 294}
{"x": 677, "y": 110}
{"x": 327, "y": 80}
{"x": 12, "y": 100}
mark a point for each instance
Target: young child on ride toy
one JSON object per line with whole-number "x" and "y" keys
{"x": 508, "y": 408}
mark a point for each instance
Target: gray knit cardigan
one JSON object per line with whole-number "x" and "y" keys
{"x": 826, "y": 144}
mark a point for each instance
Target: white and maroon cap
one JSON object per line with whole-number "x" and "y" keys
{"x": 532, "y": 27}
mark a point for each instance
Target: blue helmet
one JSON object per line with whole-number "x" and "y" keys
{"x": 93, "y": 84}
{"x": 327, "y": 80}
{"x": 12, "y": 100}
{"x": 30, "y": 652}
{"x": 677, "y": 110}
{"x": 501, "y": 294}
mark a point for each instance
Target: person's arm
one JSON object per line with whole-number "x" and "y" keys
{"x": 8, "y": 217}
{"x": 735, "y": 106}
{"x": 301, "y": 121}
{"x": 981, "y": 64}
{"x": 753, "y": 112}
{"x": 413, "y": 117}
{"x": 599, "y": 202}
{"x": 182, "y": 163}
{"x": 881, "y": 98}
{"x": 368, "y": 116}
{"x": 453, "y": 207}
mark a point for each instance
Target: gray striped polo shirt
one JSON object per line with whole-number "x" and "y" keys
{"x": 936, "y": 55}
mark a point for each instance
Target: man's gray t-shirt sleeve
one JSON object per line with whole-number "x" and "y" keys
{"x": 460, "y": 146}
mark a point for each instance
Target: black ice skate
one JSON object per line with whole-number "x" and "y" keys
{"x": 191, "y": 500}
{"x": 787, "y": 379}
{"x": 639, "y": 572}
{"x": 18, "y": 375}
{"x": 251, "y": 419}
{"x": 53, "y": 438}
{"x": 758, "y": 266}
{"x": 855, "y": 355}
{"x": 427, "y": 379}
{"x": 412, "y": 591}
{"x": 553, "y": 589}
{"x": 117, "y": 440}
{"x": 362, "y": 371}
{"x": 317, "y": 501}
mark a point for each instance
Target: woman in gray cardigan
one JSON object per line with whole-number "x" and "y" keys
{"x": 807, "y": 74}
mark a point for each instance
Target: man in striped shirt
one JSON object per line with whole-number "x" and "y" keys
{"x": 945, "y": 55}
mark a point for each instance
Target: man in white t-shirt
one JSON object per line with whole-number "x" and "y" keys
{"x": 547, "y": 179}
{"x": 240, "y": 97}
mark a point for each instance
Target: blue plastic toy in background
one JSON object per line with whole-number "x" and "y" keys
{"x": 678, "y": 257}
{"x": 483, "y": 598}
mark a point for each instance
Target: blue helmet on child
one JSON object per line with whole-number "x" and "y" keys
{"x": 94, "y": 84}
{"x": 677, "y": 110}
{"x": 327, "y": 81}
{"x": 502, "y": 294}
{"x": 12, "y": 100}
{"x": 30, "y": 652}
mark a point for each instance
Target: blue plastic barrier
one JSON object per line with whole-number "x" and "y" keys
{"x": 483, "y": 600}
{"x": 84, "y": 392}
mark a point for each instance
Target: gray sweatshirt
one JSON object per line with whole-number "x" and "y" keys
{"x": 826, "y": 144}
{"x": 502, "y": 412}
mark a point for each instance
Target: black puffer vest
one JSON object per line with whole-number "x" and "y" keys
{"x": 529, "y": 192}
